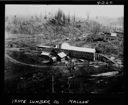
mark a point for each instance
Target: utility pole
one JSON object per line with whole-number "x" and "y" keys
{"x": 53, "y": 83}
{"x": 69, "y": 80}
{"x": 52, "y": 79}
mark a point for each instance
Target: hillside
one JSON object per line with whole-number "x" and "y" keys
{"x": 52, "y": 30}
{"x": 117, "y": 22}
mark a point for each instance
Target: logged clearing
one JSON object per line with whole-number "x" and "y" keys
{"x": 24, "y": 72}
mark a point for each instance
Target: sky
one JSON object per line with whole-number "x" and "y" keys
{"x": 112, "y": 11}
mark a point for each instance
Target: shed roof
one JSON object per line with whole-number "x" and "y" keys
{"x": 62, "y": 54}
{"x": 45, "y": 53}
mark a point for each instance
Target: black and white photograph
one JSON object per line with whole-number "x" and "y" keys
{"x": 74, "y": 49}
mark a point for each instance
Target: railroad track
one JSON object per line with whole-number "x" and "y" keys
{"x": 24, "y": 64}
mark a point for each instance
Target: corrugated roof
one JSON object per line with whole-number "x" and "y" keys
{"x": 68, "y": 47}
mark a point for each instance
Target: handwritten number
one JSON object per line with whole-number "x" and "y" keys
{"x": 104, "y": 2}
